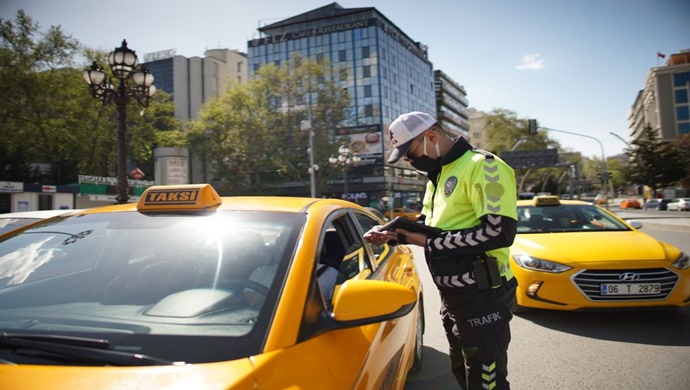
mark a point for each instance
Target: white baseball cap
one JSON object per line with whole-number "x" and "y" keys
{"x": 404, "y": 129}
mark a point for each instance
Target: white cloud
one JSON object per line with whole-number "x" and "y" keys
{"x": 531, "y": 62}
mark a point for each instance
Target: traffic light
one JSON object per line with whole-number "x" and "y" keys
{"x": 532, "y": 126}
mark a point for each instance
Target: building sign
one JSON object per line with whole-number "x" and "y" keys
{"x": 418, "y": 49}
{"x": 176, "y": 171}
{"x": 367, "y": 141}
{"x": 288, "y": 36}
{"x": 524, "y": 159}
{"x": 160, "y": 55}
{"x": 45, "y": 188}
{"x": 86, "y": 179}
{"x": 11, "y": 186}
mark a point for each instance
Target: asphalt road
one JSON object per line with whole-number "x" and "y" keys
{"x": 562, "y": 350}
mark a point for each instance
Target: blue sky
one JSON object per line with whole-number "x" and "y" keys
{"x": 575, "y": 66}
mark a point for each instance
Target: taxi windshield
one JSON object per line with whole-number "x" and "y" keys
{"x": 135, "y": 275}
{"x": 566, "y": 218}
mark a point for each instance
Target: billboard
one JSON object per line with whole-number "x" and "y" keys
{"x": 525, "y": 159}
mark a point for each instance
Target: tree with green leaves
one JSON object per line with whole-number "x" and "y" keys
{"x": 654, "y": 162}
{"x": 505, "y": 131}
{"x": 681, "y": 148}
{"x": 48, "y": 116}
{"x": 38, "y": 98}
{"x": 255, "y": 136}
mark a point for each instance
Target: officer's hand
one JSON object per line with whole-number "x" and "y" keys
{"x": 409, "y": 237}
{"x": 377, "y": 236}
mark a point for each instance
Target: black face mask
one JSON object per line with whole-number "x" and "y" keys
{"x": 426, "y": 165}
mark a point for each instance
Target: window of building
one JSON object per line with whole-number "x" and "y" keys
{"x": 342, "y": 56}
{"x": 343, "y": 74}
{"x": 365, "y": 52}
{"x": 319, "y": 58}
{"x": 366, "y": 71}
{"x": 681, "y": 79}
{"x": 682, "y": 113}
{"x": 367, "y": 91}
{"x": 684, "y": 128}
{"x": 239, "y": 66}
{"x": 369, "y": 110}
{"x": 681, "y": 96}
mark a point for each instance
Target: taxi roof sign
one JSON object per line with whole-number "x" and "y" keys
{"x": 546, "y": 200}
{"x": 187, "y": 197}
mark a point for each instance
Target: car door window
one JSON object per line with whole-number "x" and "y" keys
{"x": 366, "y": 223}
{"x": 341, "y": 248}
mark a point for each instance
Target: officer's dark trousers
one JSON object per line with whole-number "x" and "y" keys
{"x": 478, "y": 331}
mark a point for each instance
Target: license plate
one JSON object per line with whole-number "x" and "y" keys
{"x": 630, "y": 288}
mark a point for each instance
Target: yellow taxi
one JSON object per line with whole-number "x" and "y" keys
{"x": 404, "y": 212}
{"x": 189, "y": 290}
{"x": 572, "y": 255}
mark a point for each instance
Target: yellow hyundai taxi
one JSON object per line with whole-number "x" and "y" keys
{"x": 188, "y": 290}
{"x": 572, "y": 255}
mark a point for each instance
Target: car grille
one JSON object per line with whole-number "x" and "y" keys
{"x": 589, "y": 282}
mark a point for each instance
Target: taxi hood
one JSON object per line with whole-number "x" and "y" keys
{"x": 590, "y": 246}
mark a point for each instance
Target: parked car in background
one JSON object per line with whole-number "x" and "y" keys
{"x": 601, "y": 199}
{"x": 377, "y": 213}
{"x": 11, "y": 221}
{"x": 679, "y": 204}
{"x": 630, "y": 204}
{"x": 526, "y": 195}
{"x": 656, "y": 204}
{"x": 404, "y": 212}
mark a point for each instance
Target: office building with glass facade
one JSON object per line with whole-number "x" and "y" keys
{"x": 386, "y": 74}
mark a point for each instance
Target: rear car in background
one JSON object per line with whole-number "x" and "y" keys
{"x": 656, "y": 204}
{"x": 678, "y": 204}
{"x": 630, "y": 204}
{"x": 573, "y": 255}
{"x": 186, "y": 289}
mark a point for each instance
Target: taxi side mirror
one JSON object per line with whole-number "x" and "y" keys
{"x": 362, "y": 302}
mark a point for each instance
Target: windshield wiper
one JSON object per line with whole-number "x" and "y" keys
{"x": 94, "y": 350}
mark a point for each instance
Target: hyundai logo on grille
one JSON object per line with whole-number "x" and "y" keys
{"x": 629, "y": 277}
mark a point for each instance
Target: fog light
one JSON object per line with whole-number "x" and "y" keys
{"x": 533, "y": 288}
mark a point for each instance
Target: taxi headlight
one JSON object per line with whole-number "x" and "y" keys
{"x": 683, "y": 261}
{"x": 535, "y": 264}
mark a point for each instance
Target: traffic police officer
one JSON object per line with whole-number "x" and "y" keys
{"x": 471, "y": 197}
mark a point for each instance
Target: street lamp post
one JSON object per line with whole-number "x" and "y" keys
{"x": 346, "y": 160}
{"x": 313, "y": 167}
{"x": 604, "y": 171}
{"x": 125, "y": 66}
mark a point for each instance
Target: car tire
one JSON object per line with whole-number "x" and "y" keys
{"x": 419, "y": 341}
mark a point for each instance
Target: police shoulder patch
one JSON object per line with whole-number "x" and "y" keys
{"x": 450, "y": 185}
{"x": 487, "y": 155}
